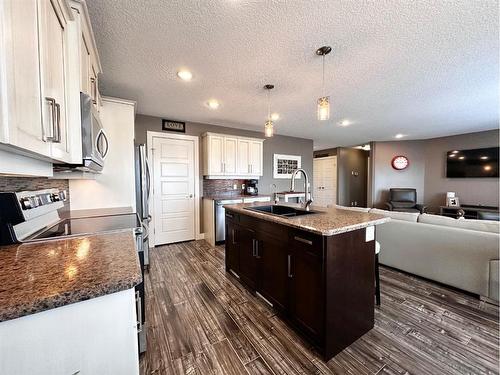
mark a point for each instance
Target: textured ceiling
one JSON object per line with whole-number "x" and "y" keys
{"x": 422, "y": 68}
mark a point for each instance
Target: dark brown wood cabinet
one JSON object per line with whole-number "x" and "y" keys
{"x": 322, "y": 285}
{"x": 306, "y": 285}
{"x": 272, "y": 269}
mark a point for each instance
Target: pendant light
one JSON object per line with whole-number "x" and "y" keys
{"x": 324, "y": 101}
{"x": 268, "y": 127}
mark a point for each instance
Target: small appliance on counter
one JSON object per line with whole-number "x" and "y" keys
{"x": 251, "y": 187}
{"x": 30, "y": 216}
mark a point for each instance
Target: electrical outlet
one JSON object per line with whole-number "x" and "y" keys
{"x": 235, "y": 187}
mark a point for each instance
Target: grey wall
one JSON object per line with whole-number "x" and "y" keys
{"x": 352, "y": 190}
{"x": 469, "y": 190}
{"x": 278, "y": 144}
{"x": 427, "y": 170}
{"x": 384, "y": 176}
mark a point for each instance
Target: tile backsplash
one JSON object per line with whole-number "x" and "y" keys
{"x": 15, "y": 184}
{"x": 221, "y": 187}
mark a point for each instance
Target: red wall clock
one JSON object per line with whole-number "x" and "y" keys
{"x": 400, "y": 162}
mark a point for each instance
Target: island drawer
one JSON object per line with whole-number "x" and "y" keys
{"x": 306, "y": 241}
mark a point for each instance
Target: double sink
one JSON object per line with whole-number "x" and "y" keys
{"x": 284, "y": 211}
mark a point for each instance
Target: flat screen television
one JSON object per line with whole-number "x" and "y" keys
{"x": 479, "y": 162}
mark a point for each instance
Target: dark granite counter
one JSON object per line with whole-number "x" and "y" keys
{"x": 44, "y": 275}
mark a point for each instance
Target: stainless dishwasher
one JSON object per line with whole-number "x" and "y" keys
{"x": 220, "y": 218}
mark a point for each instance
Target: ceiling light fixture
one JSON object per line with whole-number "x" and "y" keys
{"x": 324, "y": 101}
{"x": 213, "y": 104}
{"x": 461, "y": 157}
{"x": 344, "y": 123}
{"x": 275, "y": 116}
{"x": 455, "y": 152}
{"x": 185, "y": 75}
{"x": 484, "y": 158}
{"x": 268, "y": 127}
{"x": 399, "y": 136}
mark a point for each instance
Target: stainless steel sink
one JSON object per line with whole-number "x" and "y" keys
{"x": 278, "y": 210}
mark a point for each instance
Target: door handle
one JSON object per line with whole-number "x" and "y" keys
{"x": 290, "y": 266}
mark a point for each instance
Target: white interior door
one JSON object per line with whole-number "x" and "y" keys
{"x": 325, "y": 181}
{"x": 174, "y": 190}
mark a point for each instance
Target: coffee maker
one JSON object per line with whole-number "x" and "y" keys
{"x": 251, "y": 187}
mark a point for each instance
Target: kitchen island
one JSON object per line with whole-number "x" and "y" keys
{"x": 316, "y": 268}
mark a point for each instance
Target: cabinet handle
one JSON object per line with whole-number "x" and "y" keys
{"x": 257, "y": 249}
{"x": 93, "y": 90}
{"x": 52, "y": 104}
{"x": 303, "y": 240}
{"x": 233, "y": 235}
{"x": 57, "y": 125}
{"x": 253, "y": 247}
{"x": 139, "y": 311}
{"x": 248, "y": 169}
{"x": 290, "y": 266}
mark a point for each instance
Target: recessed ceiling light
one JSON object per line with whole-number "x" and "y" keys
{"x": 484, "y": 158}
{"x": 185, "y": 75}
{"x": 399, "y": 136}
{"x": 275, "y": 116}
{"x": 213, "y": 104}
{"x": 344, "y": 123}
{"x": 461, "y": 157}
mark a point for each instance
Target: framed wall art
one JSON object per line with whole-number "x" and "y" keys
{"x": 284, "y": 165}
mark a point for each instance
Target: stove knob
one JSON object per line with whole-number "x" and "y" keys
{"x": 25, "y": 203}
{"x": 55, "y": 198}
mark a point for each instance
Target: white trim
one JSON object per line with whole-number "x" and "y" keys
{"x": 197, "y": 197}
{"x": 119, "y": 101}
{"x": 232, "y": 136}
{"x": 325, "y": 157}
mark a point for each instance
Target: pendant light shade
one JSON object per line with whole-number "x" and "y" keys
{"x": 269, "y": 129}
{"x": 324, "y": 101}
{"x": 324, "y": 108}
{"x": 269, "y": 126}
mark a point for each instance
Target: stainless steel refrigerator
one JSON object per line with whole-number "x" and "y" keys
{"x": 143, "y": 192}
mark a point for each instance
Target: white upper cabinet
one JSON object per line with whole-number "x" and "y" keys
{"x": 255, "y": 158}
{"x": 53, "y": 75}
{"x": 20, "y": 105}
{"x": 226, "y": 156}
{"x": 48, "y": 56}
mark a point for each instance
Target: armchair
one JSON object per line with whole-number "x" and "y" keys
{"x": 405, "y": 200}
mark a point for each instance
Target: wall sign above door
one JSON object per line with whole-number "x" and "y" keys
{"x": 173, "y": 126}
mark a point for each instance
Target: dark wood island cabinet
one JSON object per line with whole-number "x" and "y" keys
{"x": 322, "y": 285}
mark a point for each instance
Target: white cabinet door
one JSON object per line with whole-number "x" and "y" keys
{"x": 53, "y": 72}
{"x": 230, "y": 155}
{"x": 20, "y": 78}
{"x": 255, "y": 156}
{"x": 215, "y": 155}
{"x": 243, "y": 157}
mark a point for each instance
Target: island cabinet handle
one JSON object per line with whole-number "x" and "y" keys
{"x": 290, "y": 266}
{"x": 257, "y": 249}
{"x": 233, "y": 235}
{"x": 303, "y": 240}
{"x": 253, "y": 247}
{"x": 229, "y": 215}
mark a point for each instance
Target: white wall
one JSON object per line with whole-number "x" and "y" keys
{"x": 115, "y": 187}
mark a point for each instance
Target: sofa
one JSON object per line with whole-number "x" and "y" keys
{"x": 462, "y": 253}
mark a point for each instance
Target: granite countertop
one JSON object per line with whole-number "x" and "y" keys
{"x": 216, "y": 197}
{"x": 39, "y": 276}
{"x": 326, "y": 222}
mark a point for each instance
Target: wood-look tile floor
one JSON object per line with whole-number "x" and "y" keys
{"x": 202, "y": 321}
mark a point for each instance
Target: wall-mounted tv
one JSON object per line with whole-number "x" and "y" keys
{"x": 480, "y": 162}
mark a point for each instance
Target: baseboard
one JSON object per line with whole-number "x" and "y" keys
{"x": 200, "y": 236}
{"x": 489, "y": 300}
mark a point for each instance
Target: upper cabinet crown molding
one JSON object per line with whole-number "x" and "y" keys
{"x": 230, "y": 156}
